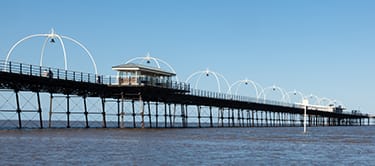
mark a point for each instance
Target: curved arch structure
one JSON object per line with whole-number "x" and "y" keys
{"x": 257, "y": 87}
{"x": 295, "y": 93}
{"x": 218, "y": 77}
{"x": 51, "y": 36}
{"x": 157, "y": 61}
{"x": 311, "y": 96}
{"x": 284, "y": 97}
{"x": 327, "y": 100}
{"x": 207, "y": 73}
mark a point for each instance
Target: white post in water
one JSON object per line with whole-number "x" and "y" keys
{"x": 305, "y": 102}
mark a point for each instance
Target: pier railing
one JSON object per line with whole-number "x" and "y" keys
{"x": 61, "y": 74}
{"x": 226, "y": 96}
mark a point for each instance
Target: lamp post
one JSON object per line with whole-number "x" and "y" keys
{"x": 233, "y": 89}
{"x": 158, "y": 62}
{"x": 274, "y": 88}
{"x": 305, "y": 102}
{"x": 53, "y": 38}
{"x": 219, "y": 78}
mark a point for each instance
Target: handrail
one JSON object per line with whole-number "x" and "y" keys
{"x": 61, "y": 74}
{"x": 226, "y": 96}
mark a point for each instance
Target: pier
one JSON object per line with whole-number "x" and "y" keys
{"x": 144, "y": 97}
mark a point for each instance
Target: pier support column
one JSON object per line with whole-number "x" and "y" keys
{"x": 39, "y": 110}
{"x": 252, "y": 119}
{"x": 233, "y": 123}
{"x": 368, "y": 121}
{"x": 118, "y": 113}
{"x": 199, "y": 115}
{"x": 230, "y": 117}
{"x": 211, "y": 123}
{"x": 183, "y": 120}
{"x": 186, "y": 115}
{"x": 170, "y": 116}
{"x": 149, "y": 113}
{"x": 104, "y": 120}
{"x": 142, "y": 111}
{"x": 50, "y": 111}
{"x": 247, "y": 118}
{"x": 67, "y": 111}
{"x": 291, "y": 120}
{"x": 243, "y": 118}
{"x": 85, "y": 112}
{"x": 18, "y": 109}
{"x": 133, "y": 114}
{"x": 222, "y": 116}
{"x": 165, "y": 115}
{"x": 123, "y": 112}
{"x": 157, "y": 113}
{"x": 174, "y": 114}
{"x": 238, "y": 118}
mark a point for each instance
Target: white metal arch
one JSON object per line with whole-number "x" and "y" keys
{"x": 32, "y": 36}
{"x": 323, "y": 99}
{"x": 295, "y": 93}
{"x": 257, "y": 87}
{"x": 149, "y": 58}
{"x": 86, "y": 50}
{"x": 274, "y": 88}
{"x": 52, "y": 36}
{"x": 208, "y": 72}
{"x": 311, "y": 96}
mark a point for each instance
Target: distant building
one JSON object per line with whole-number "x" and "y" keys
{"x": 136, "y": 74}
{"x": 356, "y": 112}
{"x": 338, "y": 109}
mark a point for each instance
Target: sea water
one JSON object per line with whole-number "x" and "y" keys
{"x": 189, "y": 146}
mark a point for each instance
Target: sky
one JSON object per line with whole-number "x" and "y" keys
{"x": 320, "y": 47}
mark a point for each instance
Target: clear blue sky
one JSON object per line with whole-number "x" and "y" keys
{"x": 323, "y": 47}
